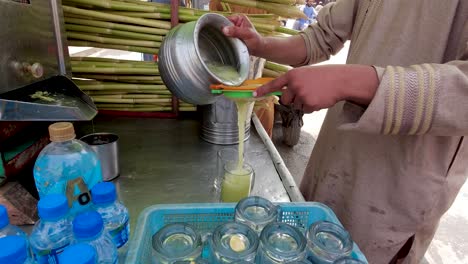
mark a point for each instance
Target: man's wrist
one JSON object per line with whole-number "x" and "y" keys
{"x": 360, "y": 84}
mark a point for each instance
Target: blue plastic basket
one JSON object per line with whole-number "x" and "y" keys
{"x": 205, "y": 217}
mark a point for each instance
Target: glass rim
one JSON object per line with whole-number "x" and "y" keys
{"x": 285, "y": 229}
{"x": 233, "y": 170}
{"x": 336, "y": 230}
{"x": 172, "y": 229}
{"x": 256, "y": 201}
{"x": 239, "y": 227}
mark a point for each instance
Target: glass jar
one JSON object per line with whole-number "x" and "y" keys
{"x": 328, "y": 242}
{"x": 348, "y": 260}
{"x": 281, "y": 243}
{"x": 256, "y": 212}
{"x": 233, "y": 242}
{"x": 176, "y": 242}
{"x": 237, "y": 182}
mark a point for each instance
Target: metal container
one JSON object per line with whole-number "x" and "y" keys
{"x": 107, "y": 149}
{"x": 187, "y": 48}
{"x": 219, "y": 124}
{"x": 35, "y": 73}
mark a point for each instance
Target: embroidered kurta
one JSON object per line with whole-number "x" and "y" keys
{"x": 392, "y": 169}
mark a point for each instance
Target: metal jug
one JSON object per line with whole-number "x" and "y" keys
{"x": 186, "y": 50}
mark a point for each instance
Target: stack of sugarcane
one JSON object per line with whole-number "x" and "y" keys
{"x": 274, "y": 70}
{"x": 123, "y": 84}
{"x": 139, "y": 26}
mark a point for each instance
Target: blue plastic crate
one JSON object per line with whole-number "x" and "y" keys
{"x": 205, "y": 217}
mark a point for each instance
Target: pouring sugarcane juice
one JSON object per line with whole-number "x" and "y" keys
{"x": 238, "y": 177}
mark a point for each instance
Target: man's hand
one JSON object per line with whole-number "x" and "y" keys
{"x": 244, "y": 30}
{"x": 312, "y": 88}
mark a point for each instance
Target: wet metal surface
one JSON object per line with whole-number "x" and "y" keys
{"x": 165, "y": 161}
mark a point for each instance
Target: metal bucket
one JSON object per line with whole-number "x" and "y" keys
{"x": 187, "y": 48}
{"x": 220, "y": 122}
{"x": 107, "y": 149}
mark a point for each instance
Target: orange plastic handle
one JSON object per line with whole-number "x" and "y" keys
{"x": 248, "y": 85}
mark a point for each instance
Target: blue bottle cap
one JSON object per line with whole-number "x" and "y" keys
{"x": 103, "y": 193}
{"x": 78, "y": 254}
{"x": 87, "y": 225}
{"x": 4, "y": 220}
{"x": 52, "y": 206}
{"x": 13, "y": 249}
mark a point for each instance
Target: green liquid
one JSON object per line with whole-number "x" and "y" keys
{"x": 228, "y": 73}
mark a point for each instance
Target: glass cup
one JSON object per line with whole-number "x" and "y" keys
{"x": 348, "y": 260}
{"x": 224, "y": 156}
{"x": 328, "y": 242}
{"x": 256, "y": 212}
{"x": 236, "y": 182}
{"x": 176, "y": 242}
{"x": 281, "y": 243}
{"x": 233, "y": 242}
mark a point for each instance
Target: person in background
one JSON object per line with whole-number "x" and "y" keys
{"x": 319, "y": 7}
{"x": 391, "y": 155}
{"x": 264, "y": 109}
{"x": 310, "y": 12}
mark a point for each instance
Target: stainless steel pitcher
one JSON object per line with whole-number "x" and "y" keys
{"x": 187, "y": 48}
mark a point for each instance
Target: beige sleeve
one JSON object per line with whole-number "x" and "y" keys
{"x": 420, "y": 99}
{"x": 333, "y": 28}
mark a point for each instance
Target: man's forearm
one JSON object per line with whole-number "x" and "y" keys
{"x": 290, "y": 51}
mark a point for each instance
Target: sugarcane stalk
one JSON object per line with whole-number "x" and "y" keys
{"x": 151, "y": 109}
{"x": 281, "y": 10}
{"x": 135, "y": 96}
{"x": 110, "y": 25}
{"x": 117, "y": 41}
{"x": 142, "y": 15}
{"x": 100, "y": 59}
{"x": 121, "y": 78}
{"x": 134, "y": 7}
{"x": 111, "y": 64}
{"x": 113, "y": 32}
{"x": 101, "y": 99}
{"x": 112, "y": 91}
{"x": 277, "y": 67}
{"x": 121, "y": 86}
{"x": 286, "y": 30}
{"x": 79, "y": 43}
{"x": 143, "y": 71}
{"x": 270, "y": 73}
{"x": 117, "y": 18}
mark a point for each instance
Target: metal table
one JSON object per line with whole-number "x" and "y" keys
{"x": 164, "y": 161}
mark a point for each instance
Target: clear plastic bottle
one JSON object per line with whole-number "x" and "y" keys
{"x": 88, "y": 228}
{"x": 114, "y": 214}
{"x": 6, "y": 229}
{"x": 53, "y": 232}
{"x": 67, "y": 166}
{"x": 14, "y": 250}
{"x": 78, "y": 254}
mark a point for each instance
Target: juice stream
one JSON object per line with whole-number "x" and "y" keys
{"x": 236, "y": 185}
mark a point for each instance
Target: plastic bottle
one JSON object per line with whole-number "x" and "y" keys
{"x": 88, "y": 228}
{"x": 53, "y": 232}
{"x": 78, "y": 254}
{"x": 114, "y": 214}
{"x": 14, "y": 250}
{"x": 67, "y": 166}
{"x": 6, "y": 229}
